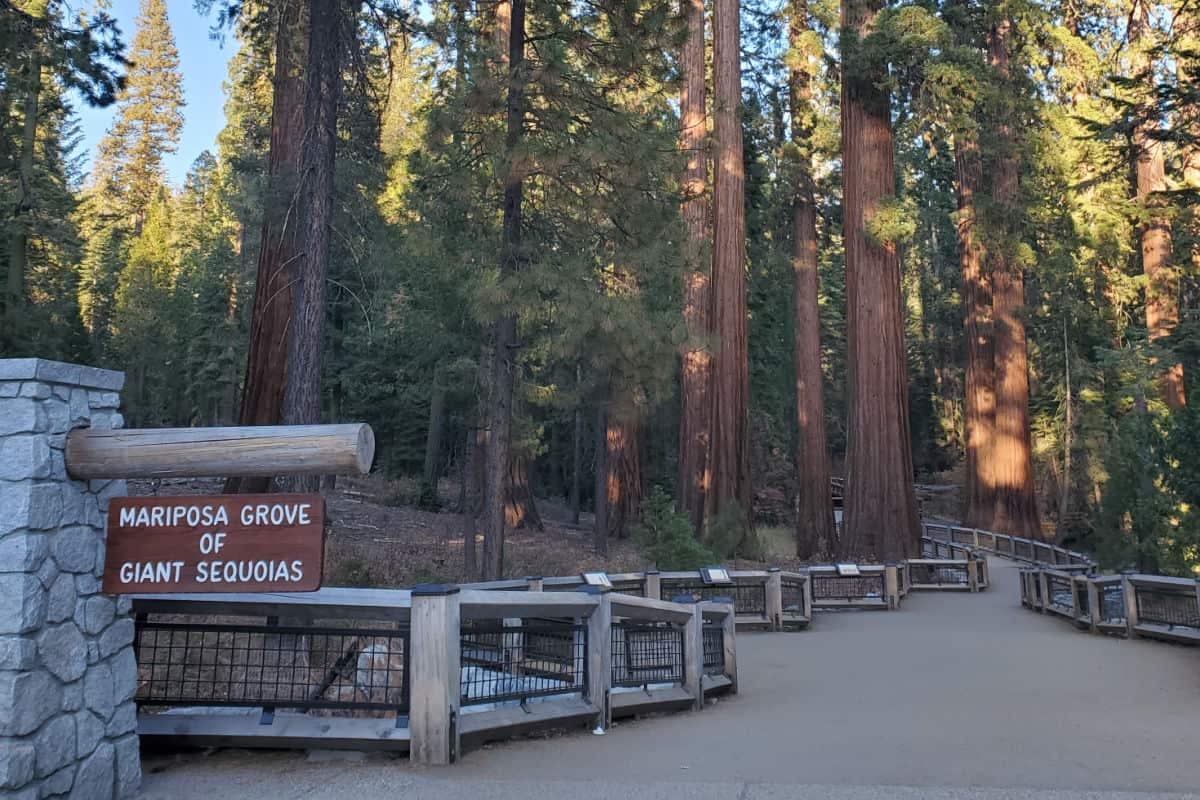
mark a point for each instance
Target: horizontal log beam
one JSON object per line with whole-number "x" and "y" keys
{"x": 257, "y": 451}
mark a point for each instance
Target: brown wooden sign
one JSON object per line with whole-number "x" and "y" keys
{"x": 238, "y": 543}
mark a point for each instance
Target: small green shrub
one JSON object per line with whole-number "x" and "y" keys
{"x": 666, "y": 537}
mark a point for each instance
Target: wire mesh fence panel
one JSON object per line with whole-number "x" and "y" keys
{"x": 634, "y": 588}
{"x": 647, "y": 653}
{"x": 515, "y": 662}
{"x": 714, "y": 650}
{"x": 928, "y": 548}
{"x": 838, "y": 587}
{"x": 1112, "y": 602}
{"x": 1059, "y": 588}
{"x": 260, "y": 665}
{"x": 1035, "y": 578}
{"x": 792, "y": 590}
{"x": 1083, "y": 601}
{"x": 1167, "y": 607}
{"x": 1022, "y": 548}
{"x": 748, "y": 598}
{"x": 940, "y": 574}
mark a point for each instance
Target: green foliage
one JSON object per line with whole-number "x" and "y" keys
{"x": 665, "y": 536}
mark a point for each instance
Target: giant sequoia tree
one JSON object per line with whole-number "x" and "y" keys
{"x": 729, "y": 447}
{"x": 880, "y": 516}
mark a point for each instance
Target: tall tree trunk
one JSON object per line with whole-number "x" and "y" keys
{"x": 600, "y": 526}
{"x": 623, "y": 463}
{"x": 729, "y": 452}
{"x": 979, "y": 391}
{"x": 880, "y": 516}
{"x": 266, "y": 359}
{"x": 520, "y": 506}
{"x": 306, "y": 337}
{"x": 433, "y": 443}
{"x": 815, "y": 532}
{"x": 18, "y": 250}
{"x": 1064, "y": 490}
{"x": 1016, "y": 510}
{"x": 504, "y": 355}
{"x": 576, "y": 461}
{"x": 1162, "y": 281}
{"x": 696, "y": 372}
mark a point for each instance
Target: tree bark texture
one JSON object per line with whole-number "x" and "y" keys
{"x": 696, "y": 368}
{"x": 815, "y": 532}
{"x": 505, "y": 336}
{"x": 1162, "y": 281}
{"x": 306, "y": 339}
{"x": 979, "y": 392}
{"x": 729, "y": 452}
{"x": 600, "y": 526}
{"x": 880, "y": 516}
{"x": 1016, "y": 511}
{"x": 266, "y": 359}
{"x": 520, "y": 506}
{"x": 625, "y": 481}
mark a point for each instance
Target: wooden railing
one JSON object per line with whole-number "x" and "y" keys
{"x": 1150, "y": 606}
{"x": 430, "y": 668}
{"x": 1014, "y": 547}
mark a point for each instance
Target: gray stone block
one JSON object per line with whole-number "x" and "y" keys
{"x": 22, "y": 602}
{"x": 103, "y": 379}
{"x": 28, "y": 793}
{"x": 24, "y": 456}
{"x": 129, "y": 765}
{"x": 58, "y": 466}
{"x": 58, "y": 371}
{"x": 74, "y": 504}
{"x": 73, "y": 696}
{"x": 23, "y": 552}
{"x": 17, "y": 652}
{"x": 124, "y": 720}
{"x": 87, "y": 584}
{"x": 75, "y": 548}
{"x": 33, "y": 697}
{"x": 45, "y": 507}
{"x": 94, "y": 781}
{"x": 55, "y": 745}
{"x": 61, "y": 392}
{"x": 58, "y": 415}
{"x": 105, "y": 420}
{"x": 95, "y": 613}
{"x": 59, "y": 783}
{"x": 18, "y": 415}
{"x": 93, "y": 652}
{"x": 124, "y": 604}
{"x": 104, "y": 400}
{"x": 113, "y": 489}
{"x": 88, "y": 733}
{"x": 16, "y": 764}
{"x": 61, "y": 606}
{"x": 47, "y": 573}
{"x": 116, "y": 636}
{"x": 18, "y": 369}
{"x": 14, "y": 506}
{"x": 124, "y": 675}
{"x": 35, "y": 389}
{"x": 98, "y": 690}
{"x": 63, "y": 651}
{"x": 9, "y": 389}
{"x": 80, "y": 413}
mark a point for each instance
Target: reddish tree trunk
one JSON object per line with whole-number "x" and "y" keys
{"x": 520, "y": 508}
{"x": 504, "y": 356}
{"x": 815, "y": 533}
{"x": 1016, "y": 511}
{"x": 729, "y": 452}
{"x": 600, "y": 525}
{"x": 696, "y": 371}
{"x": 266, "y": 359}
{"x": 1162, "y": 281}
{"x": 625, "y": 483}
{"x": 306, "y": 345}
{"x": 979, "y": 391}
{"x": 880, "y": 516}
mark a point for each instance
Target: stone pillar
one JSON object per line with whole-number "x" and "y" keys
{"x": 67, "y": 669}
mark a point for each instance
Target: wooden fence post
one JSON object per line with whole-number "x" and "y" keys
{"x": 535, "y": 583}
{"x": 599, "y": 655}
{"x": 693, "y": 656}
{"x": 808, "y": 597}
{"x": 1131, "y": 609}
{"x": 437, "y": 674}
{"x": 652, "y": 584}
{"x": 729, "y": 637}
{"x": 1044, "y": 586}
{"x": 775, "y": 598}
{"x": 891, "y": 585}
{"x": 972, "y": 573}
{"x": 1095, "y": 613}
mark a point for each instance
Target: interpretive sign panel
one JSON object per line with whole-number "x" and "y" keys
{"x": 236, "y": 543}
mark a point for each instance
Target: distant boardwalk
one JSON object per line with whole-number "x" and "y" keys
{"x": 951, "y": 692}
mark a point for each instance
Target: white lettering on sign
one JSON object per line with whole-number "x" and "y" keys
{"x": 174, "y": 516}
{"x": 247, "y": 571}
{"x": 276, "y": 514}
{"x": 150, "y": 571}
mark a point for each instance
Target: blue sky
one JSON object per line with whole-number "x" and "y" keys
{"x": 202, "y": 61}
